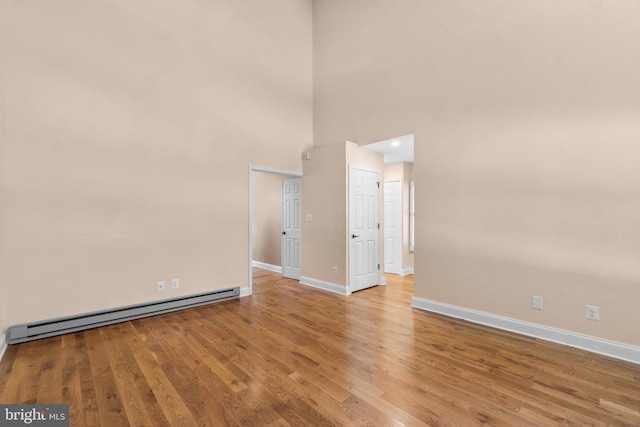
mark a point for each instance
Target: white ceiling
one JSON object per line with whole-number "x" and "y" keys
{"x": 403, "y": 152}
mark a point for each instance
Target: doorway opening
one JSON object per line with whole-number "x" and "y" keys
{"x": 398, "y": 204}
{"x": 265, "y": 220}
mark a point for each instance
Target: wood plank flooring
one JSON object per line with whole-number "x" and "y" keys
{"x": 293, "y": 355}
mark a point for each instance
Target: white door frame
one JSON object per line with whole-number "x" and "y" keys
{"x": 253, "y": 168}
{"x": 349, "y": 245}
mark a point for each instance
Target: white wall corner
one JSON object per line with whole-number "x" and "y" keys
{"x": 3, "y": 343}
{"x": 407, "y": 271}
{"x": 601, "y": 346}
{"x": 244, "y": 292}
{"x": 383, "y": 281}
{"x": 265, "y": 266}
{"x": 327, "y": 286}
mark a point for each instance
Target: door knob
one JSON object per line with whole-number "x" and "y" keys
{"x": 353, "y": 236}
{"x": 284, "y": 232}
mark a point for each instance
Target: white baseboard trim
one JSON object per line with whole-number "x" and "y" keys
{"x": 383, "y": 281}
{"x": 245, "y": 292}
{"x": 265, "y": 266}
{"x": 327, "y": 286}
{"x": 613, "y": 349}
{"x": 407, "y": 271}
{"x": 3, "y": 343}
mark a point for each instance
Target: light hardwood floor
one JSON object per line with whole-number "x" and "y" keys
{"x": 293, "y": 355}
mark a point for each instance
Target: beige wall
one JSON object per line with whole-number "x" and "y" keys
{"x": 127, "y": 134}
{"x": 324, "y": 196}
{"x": 4, "y": 294}
{"x": 393, "y": 172}
{"x": 267, "y": 217}
{"x": 526, "y": 127}
{"x": 357, "y": 156}
{"x": 403, "y": 171}
{"x": 126, "y": 131}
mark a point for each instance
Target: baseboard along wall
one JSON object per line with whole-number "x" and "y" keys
{"x": 265, "y": 266}
{"x": 613, "y": 349}
{"x": 327, "y": 286}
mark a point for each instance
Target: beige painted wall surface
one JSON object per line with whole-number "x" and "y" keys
{"x": 4, "y": 294}
{"x": 128, "y": 133}
{"x": 324, "y": 196}
{"x": 357, "y": 156}
{"x": 526, "y": 127}
{"x": 267, "y": 217}
{"x": 393, "y": 172}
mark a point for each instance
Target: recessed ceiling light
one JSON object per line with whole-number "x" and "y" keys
{"x": 395, "y": 143}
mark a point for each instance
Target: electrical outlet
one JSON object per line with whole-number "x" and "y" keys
{"x": 335, "y": 270}
{"x": 536, "y": 303}
{"x": 160, "y": 287}
{"x": 175, "y": 283}
{"x": 592, "y": 312}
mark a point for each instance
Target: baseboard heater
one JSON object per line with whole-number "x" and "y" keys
{"x": 64, "y": 325}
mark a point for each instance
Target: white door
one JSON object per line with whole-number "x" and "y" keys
{"x": 393, "y": 227}
{"x": 364, "y": 231}
{"x": 291, "y": 230}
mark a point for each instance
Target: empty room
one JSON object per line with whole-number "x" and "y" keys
{"x": 202, "y": 221}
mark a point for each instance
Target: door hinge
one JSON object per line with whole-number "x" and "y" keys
{"x": 378, "y": 226}
{"x": 378, "y": 266}
{"x": 378, "y": 182}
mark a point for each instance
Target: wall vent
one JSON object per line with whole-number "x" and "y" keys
{"x": 64, "y": 325}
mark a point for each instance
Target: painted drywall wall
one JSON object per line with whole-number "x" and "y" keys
{"x": 4, "y": 295}
{"x": 393, "y": 172}
{"x": 128, "y": 131}
{"x": 267, "y": 217}
{"x": 324, "y": 197}
{"x": 403, "y": 171}
{"x": 525, "y": 121}
{"x": 357, "y": 156}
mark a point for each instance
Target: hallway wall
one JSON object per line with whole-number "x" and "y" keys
{"x": 525, "y": 117}
{"x": 126, "y": 137}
